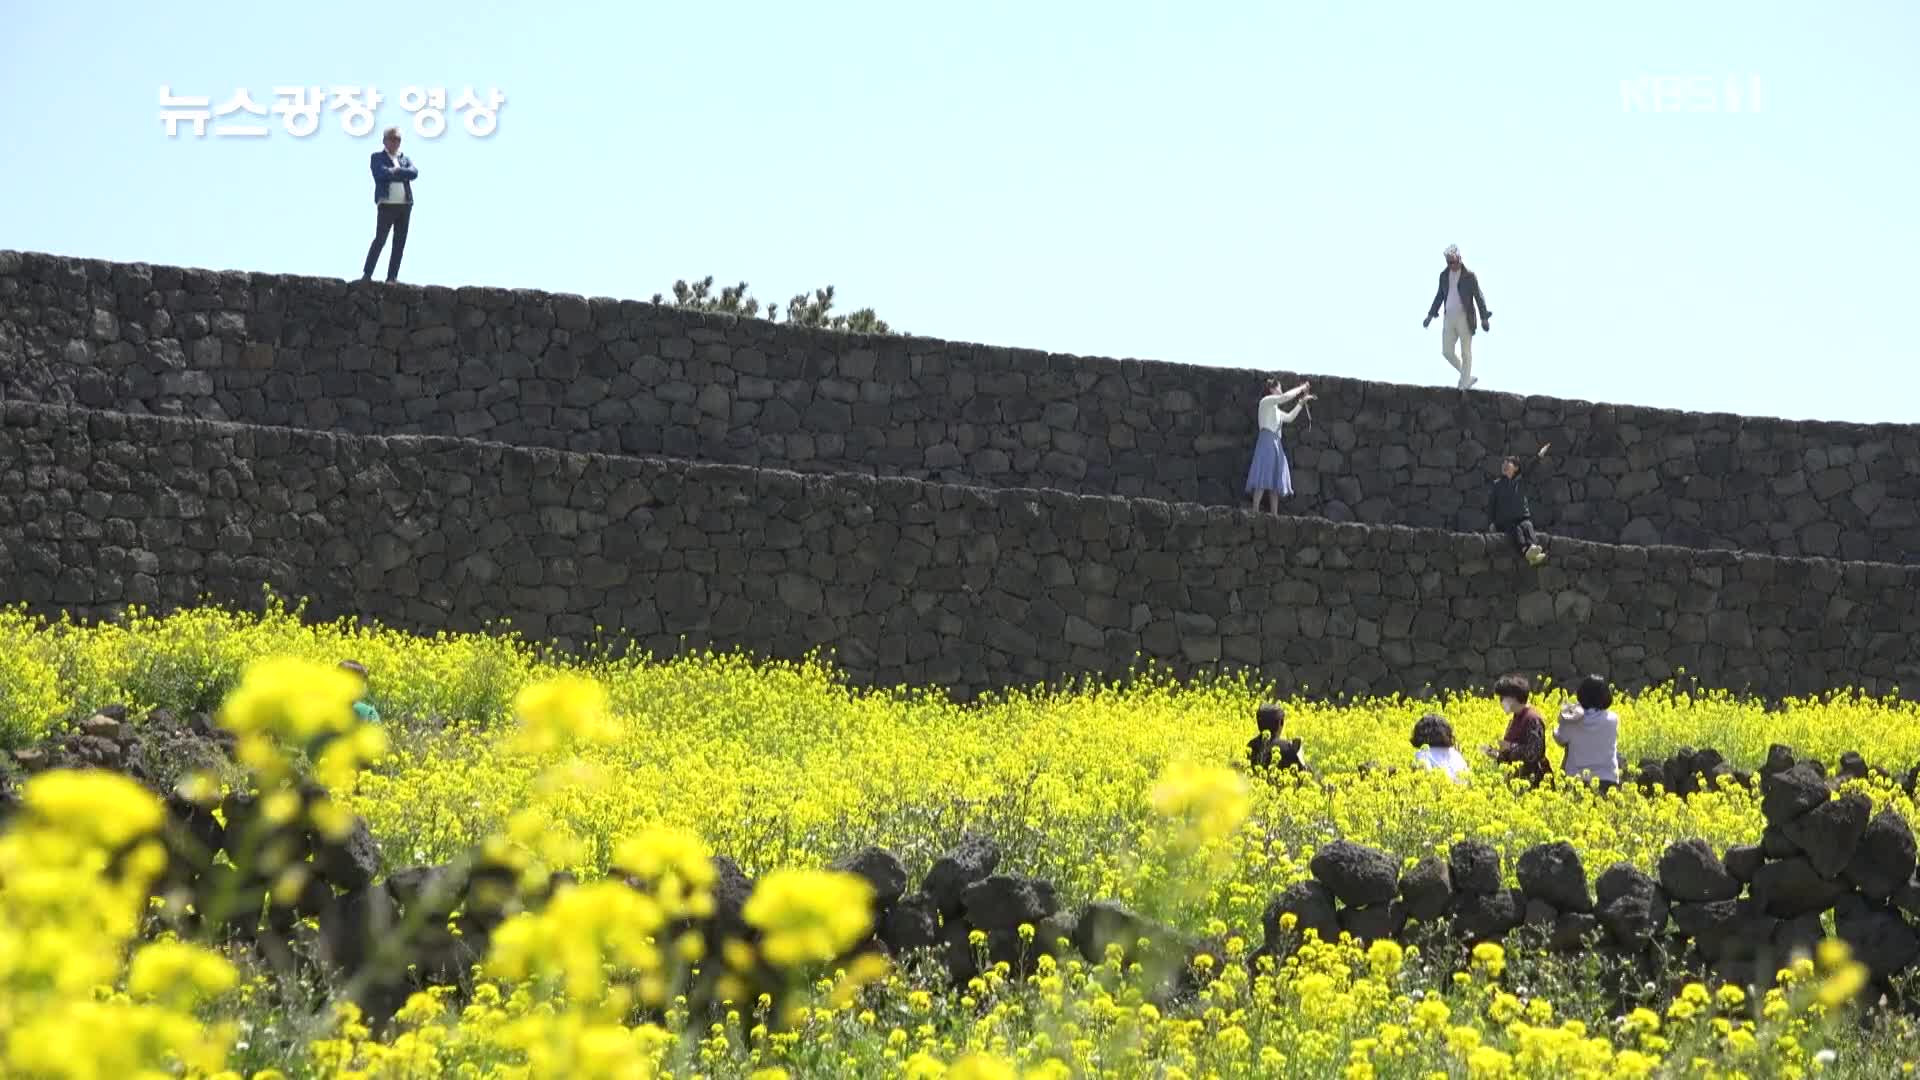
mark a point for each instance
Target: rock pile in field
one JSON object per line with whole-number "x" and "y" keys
{"x": 1743, "y": 913}
{"x": 965, "y": 893}
{"x": 156, "y": 751}
{"x": 1686, "y": 771}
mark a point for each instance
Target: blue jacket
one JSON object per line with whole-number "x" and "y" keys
{"x": 384, "y": 174}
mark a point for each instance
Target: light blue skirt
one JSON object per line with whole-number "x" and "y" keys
{"x": 1270, "y": 471}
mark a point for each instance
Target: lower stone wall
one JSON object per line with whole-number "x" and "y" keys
{"x": 908, "y": 581}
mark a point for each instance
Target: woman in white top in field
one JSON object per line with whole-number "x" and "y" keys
{"x": 1270, "y": 474}
{"x": 1433, "y": 738}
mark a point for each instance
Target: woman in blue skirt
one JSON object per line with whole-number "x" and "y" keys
{"x": 1270, "y": 473}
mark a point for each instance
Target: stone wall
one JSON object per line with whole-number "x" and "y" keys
{"x": 559, "y": 371}
{"x": 912, "y": 582}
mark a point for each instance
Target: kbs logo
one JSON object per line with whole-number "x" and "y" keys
{"x": 1691, "y": 94}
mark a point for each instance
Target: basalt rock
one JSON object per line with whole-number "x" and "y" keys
{"x": 1553, "y": 872}
{"x": 1357, "y": 876}
{"x": 1426, "y": 889}
{"x": 1786, "y": 795}
{"x": 973, "y": 860}
{"x": 1690, "y": 871}
{"x": 1474, "y": 867}
{"x": 1884, "y": 861}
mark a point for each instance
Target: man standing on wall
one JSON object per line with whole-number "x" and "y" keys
{"x": 393, "y": 177}
{"x": 1459, "y": 292}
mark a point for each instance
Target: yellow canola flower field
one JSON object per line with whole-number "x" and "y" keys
{"x": 643, "y": 768}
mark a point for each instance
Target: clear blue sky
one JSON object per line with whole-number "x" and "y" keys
{"x": 1260, "y": 184}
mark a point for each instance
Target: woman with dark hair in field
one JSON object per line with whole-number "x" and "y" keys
{"x": 1434, "y": 749}
{"x": 1270, "y": 475}
{"x": 1590, "y": 730}
{"x": 1525, "y": 743}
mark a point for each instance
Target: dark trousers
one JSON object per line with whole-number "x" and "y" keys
{"x": 392, "y": 216}
{"x": 1522, "y": 534}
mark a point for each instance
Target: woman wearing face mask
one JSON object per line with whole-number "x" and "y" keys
{"x": 1525, "y": 743}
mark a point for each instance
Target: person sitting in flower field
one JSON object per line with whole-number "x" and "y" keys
{"x": 1590, "y": 730}
{"x": 1433, "y": 740}
{"x": 362, "y": 708}
{"x": 1267, "y": 750}
{"x": 1525, "y": 743}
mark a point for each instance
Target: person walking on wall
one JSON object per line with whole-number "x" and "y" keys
{"x": 1459, "y": 292}
{"x": 1270, "y": 474}
{"x": 1511, "y": 513}
{"x": 393, "y": 177}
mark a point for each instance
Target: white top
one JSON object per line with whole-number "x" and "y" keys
{"x": 1441, "y": 757}
{"x": 1453, "y": 292}
{"x": 1270, "y": 415}
{"x": 396, "y": 189}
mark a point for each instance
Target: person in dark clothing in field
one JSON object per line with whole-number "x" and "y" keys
{"x": 1267, "y": 750}
{"x": 1507, "y": 506}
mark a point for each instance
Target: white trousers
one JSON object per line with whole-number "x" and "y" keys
{"x": 1457, "y": 327}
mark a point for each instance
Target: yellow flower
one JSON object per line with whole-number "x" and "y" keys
{"x": 1842, "y": 985}
{"x": 809, "y": 916}
{"x": 293, "y": 698}
{"x": 1208, "y": 801}
{"x": 1489, "y": 956}
{"x": 1384, "y": 957}
{"x": 673, "y": 865}
{"x": 178, "y": 971}
{"x": 105, "y": 808}
{"x": 561, "y": 710}
{"x": 981, "y": 1067}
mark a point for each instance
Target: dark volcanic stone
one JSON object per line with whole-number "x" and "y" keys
{"x": 881, "y": 869}
{"x": 975, "y": 859}
{"x": 1706, "y": 922}
{"x": 1357, "y": 876}
{"x": 1553, "y": 872}
{"x": 912, "y": 923}
{"x": 1790, "y": 888}
{"x": 1879, "y": 937}
{"x": 1743, "y": 861}
{"x": 1786, "y": 795}
{"x": 1004, "y": 902}
{"x": 1775, "y": 844}
{"x": 1473, "y": 866}
{"x": 1571, "y": 931}
{"x": 1370, "y": 924}
{"x": 1486, "y": 916}
{"x": 1632, "y": 907}
{"x": 1779, "y": 760}
{"x": 350, "y": 863}
{"x": 1884, "y": 859}
{"x": 1538, "y": 913}
{"x": 1311, "y": 904}
{"x": 1690, "y": 871}
{"x": 1830, "y": 832}
{"x": 1427, "y": 889}
{"x": 435, "y": 890}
